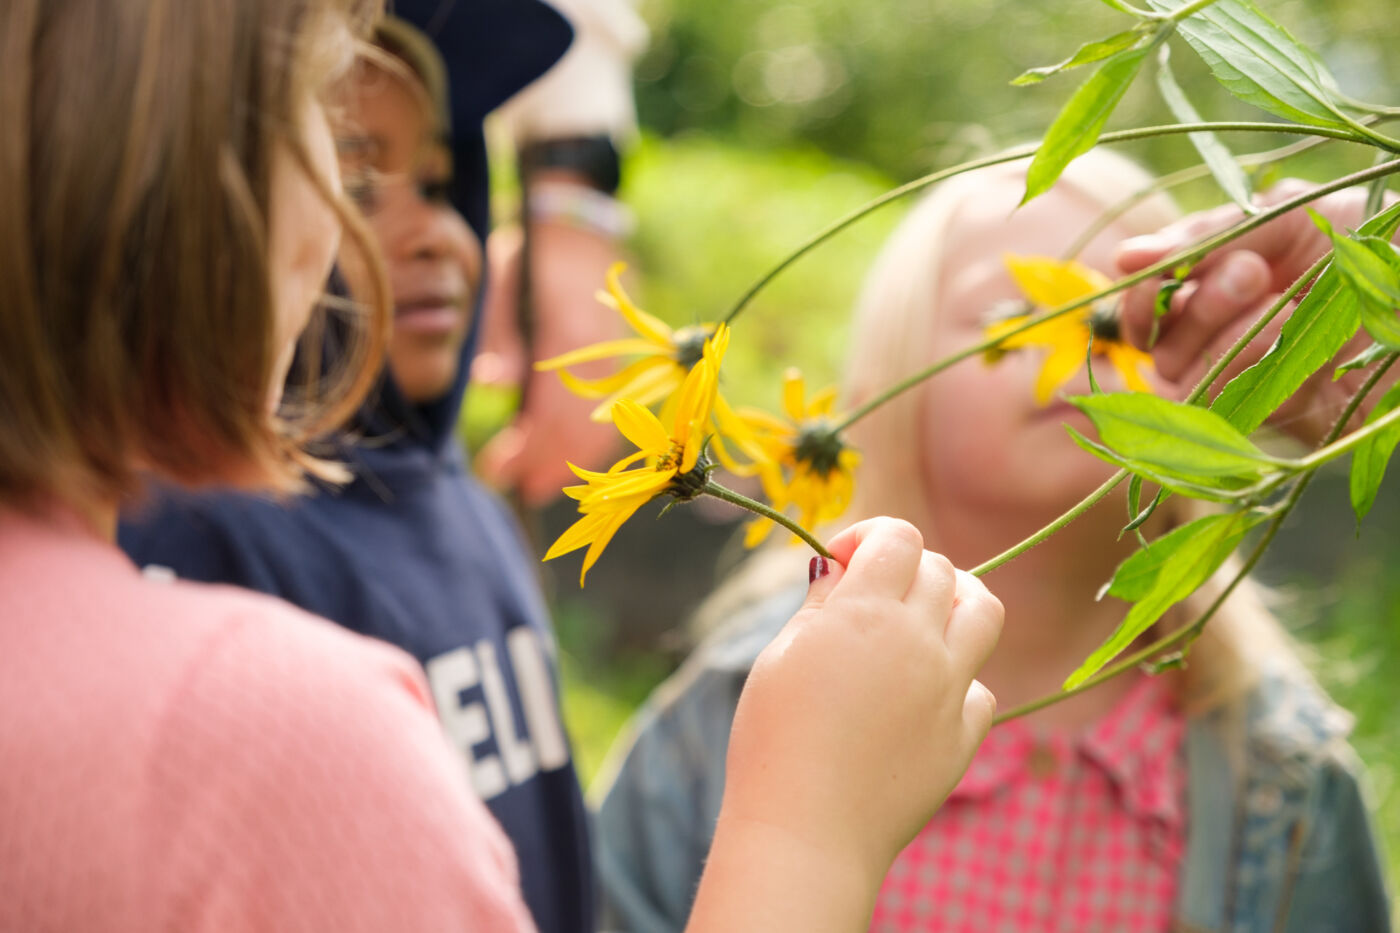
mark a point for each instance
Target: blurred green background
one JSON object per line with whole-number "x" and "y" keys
{"x": 763, "y": 121}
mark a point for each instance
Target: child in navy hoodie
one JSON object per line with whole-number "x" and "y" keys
{"x": 414, "y": 551}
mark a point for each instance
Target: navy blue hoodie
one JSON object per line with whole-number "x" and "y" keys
{"x": 414, "y": 551}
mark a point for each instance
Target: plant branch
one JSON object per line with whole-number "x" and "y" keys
{"x": 1190, "y": 254}
{"x": 1188, "y": 633}
{"x": 1013, "y": 155}
{"x": 712, "y": 488}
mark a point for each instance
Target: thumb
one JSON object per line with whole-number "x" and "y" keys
{"x": 823, "y": 573}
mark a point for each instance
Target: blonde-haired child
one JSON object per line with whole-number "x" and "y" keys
{"x": 1218, "y": 797}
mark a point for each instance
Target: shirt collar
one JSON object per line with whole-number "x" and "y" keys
{"x": 1135, "y": 744}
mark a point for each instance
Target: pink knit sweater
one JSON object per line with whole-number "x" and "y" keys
{"x": 176, "y": 757}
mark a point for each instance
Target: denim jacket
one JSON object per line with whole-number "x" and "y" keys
{"x": 1279, "y": 839}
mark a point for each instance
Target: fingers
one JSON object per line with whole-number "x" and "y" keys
{"x": 974, "y": 624}
{"x": 936, "y": 587}
{"x": 823, "y": 574}
{"x": 979, "y": 709}
{"x": 1208, "y": 306}
{"x": 882, "y": 557}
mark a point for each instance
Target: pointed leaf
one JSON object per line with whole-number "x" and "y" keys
{"x": 1180, "y": 440}
{"x": 1227, "y": 172}
{"x": 1370, "y": 459}
{"x": 1259, "y": 62}
{"x": 1137, "y": 575}
{"x": 1369, "y": 266}
{"x": 1174, "y": 567}
{"x": 1376, "y": 351}
{"x": 1317, "y": 329}
{"x": 1078, "y": 125}
{"x": 1087, "y": 54}
{"x": 1211, "y": 489}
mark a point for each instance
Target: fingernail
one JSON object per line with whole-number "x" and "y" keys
{"x": 817, "y": 568}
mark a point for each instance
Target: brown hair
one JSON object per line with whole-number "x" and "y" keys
{"x": 137, "y": 328}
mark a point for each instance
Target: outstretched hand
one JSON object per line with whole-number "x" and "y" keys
{"x": 1230, "y": 288}
{"x": 854, "y": 725}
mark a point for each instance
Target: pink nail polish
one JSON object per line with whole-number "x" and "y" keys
{"x": 817, "y": 568}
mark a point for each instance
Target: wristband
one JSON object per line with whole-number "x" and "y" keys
{"x": 580, "y": 207}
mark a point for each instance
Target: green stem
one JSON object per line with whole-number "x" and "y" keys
{"x": 1191, "y": 254}
{"x": 1023, "y": 152}
{"x": 1176, "y": 179}
{"x": 758, "y": 508}
{"x": 1084, "y": 505}
{"x": 1353, "y": 440}
{"x": 1188, "y": 633}
{"x": 1189, "y": 10}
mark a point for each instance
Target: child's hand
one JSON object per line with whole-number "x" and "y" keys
{"x": 1228, "y": 290}
{"x": 854, "y": 725}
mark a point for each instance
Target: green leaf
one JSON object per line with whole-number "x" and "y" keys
{"x": 1317, "y": 329}
{"x": 1078, "y": 125}
{"x": 1373, "y": 353}
{"x": 1368, "y": 265}
{"x": 1370, "y": 459}
{"x": 1227, "y": 172}
{"x": 1163, "y": 575}
{"x": 1212, "y": 489}
{"x": 1179, "y": 440}
{"x": 1137, "y": 575}
{"x": 1259, "y": 62}
{"x": 1087, "y": 54}
{"x": 1141, "y": 517}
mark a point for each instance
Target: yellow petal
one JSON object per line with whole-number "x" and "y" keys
{"x": 654, "y": 384}
{"x": 640, "y": 426}
{"x": 716, "y": 346}
{"x": 597, "y": 351}
{"x": 602, "y": 537}
{"x": 642, "y": 483}
{"x": 575, "y": 536}
{"x": 694, "y": 401}
{"x": 794, "y": 394}
{"x": 757, "y": 420}
{"x": 822, "y": 403}
{"x": 618, "y": 381}
{"x": 1130, "y": 361}
{"x": 650, "y": 327}
{"x": 1051, "y": 283}
{"x": 1061, "y": 365}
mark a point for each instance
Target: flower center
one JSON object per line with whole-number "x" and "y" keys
{"x": 1104, "y": 323}
{"x": 689, "y": 345}
{"x": 691, "y": 484}
{"x": 820, "y": 447}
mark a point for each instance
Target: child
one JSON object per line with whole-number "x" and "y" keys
{"x": 414, "y": 550}
{"x": 180, "y": 757}
{"x": 1218, "y": 797}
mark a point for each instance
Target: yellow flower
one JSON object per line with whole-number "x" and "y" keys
{"x": 800, "y": 460}
{"x": 666, "y": 355}
{"x": 1051, "y": 283}
{"x": 607, "y": 500}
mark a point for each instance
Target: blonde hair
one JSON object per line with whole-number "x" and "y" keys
{"x": 891, "y": 333}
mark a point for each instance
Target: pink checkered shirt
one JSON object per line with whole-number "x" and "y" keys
{"x": 1052, "y": 833}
